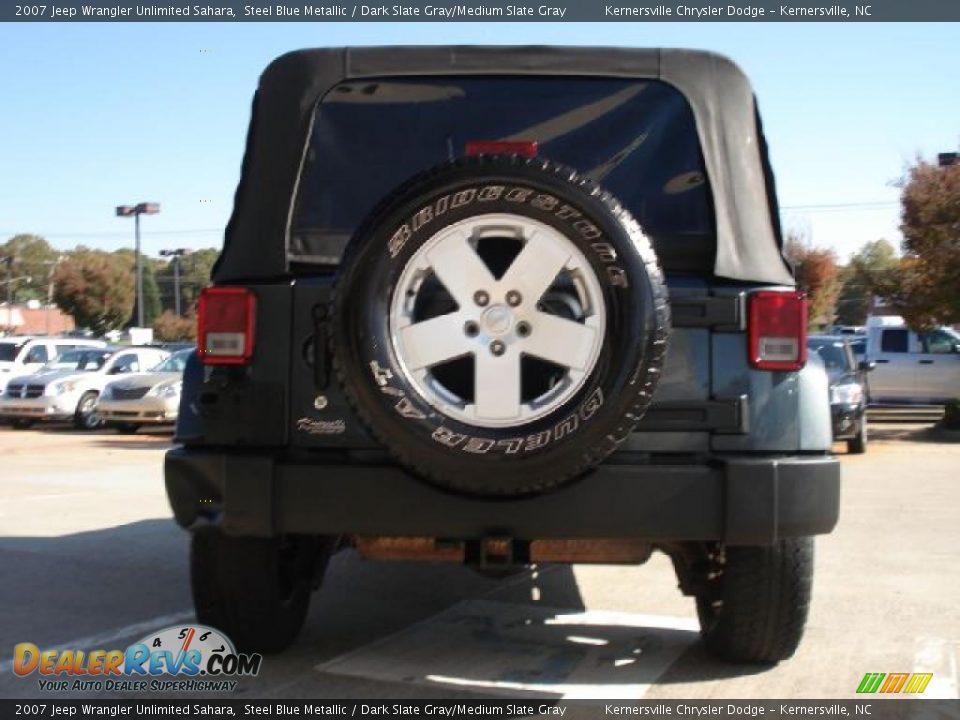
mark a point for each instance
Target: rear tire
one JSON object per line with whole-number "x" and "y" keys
{"x": 256, "y": 590}
{"x": 127, "y": 428}
{"x": 21, "y": 424}
{"x": 755, "y": 608}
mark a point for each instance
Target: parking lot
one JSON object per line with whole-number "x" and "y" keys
{"x": 91, "y": 558}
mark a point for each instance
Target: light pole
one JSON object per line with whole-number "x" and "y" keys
{"x": 136, "y": 211}
{"x": 176, "y": 255}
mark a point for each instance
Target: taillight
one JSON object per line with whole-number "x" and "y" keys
{"x": 524, "y": 148}
{"x": 225, "y": 325}
{"x": 777, "y": 330}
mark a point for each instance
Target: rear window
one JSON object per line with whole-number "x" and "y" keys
{"x": 637, "y": 138}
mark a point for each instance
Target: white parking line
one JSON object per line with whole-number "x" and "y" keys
{"x": 505, "y": 648}
{"x": 99, "y": 642}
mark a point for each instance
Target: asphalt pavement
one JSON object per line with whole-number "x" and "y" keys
{"x": 90, "y": 558}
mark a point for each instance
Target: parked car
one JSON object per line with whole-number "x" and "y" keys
{"x": 25, "y": 354}
{"x": 912, "y": 368}
{"x": 146, "y": 398}
{"x": 848, "y": 397}
{"x": 491, "y": 382}
{"x": 67, "y": 387}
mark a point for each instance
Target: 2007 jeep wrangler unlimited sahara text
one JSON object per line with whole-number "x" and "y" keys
{"x": 505, "y": 306}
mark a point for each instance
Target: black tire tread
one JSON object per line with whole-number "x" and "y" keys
{"x": 235, "y": 590}
{"x": 766, "y": 599}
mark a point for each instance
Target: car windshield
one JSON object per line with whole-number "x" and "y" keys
{"x": 832, "y": 352}
{"x": 9, "y": 350}
{"x": 79, "y": 360}
{"x": 176, "y": 363}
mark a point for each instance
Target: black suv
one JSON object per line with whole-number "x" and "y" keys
{"x": 504, "y": 306}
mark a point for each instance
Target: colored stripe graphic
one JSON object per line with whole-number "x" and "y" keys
{"x": 918, "y": 682}
{"x": 894, "y": 683}
{"x": 870, "y": 682}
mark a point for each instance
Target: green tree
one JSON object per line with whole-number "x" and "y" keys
{"x": 151, "y": 297}
{"x": 33, "y": 257}
{"x": 195, "y": 269}
{"x": 859, "y": 278}
{"x": 817, "y": 275}
{"x": 924, "y": 285}
{"x": 96, "y": 288}
{"x": 152, "y": 306}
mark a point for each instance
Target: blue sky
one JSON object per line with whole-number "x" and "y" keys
{"x": 96, "y": 115}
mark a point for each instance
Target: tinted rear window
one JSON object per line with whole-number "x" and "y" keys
{"x": 894, "y": 341}
{"x": 637, "y": 138}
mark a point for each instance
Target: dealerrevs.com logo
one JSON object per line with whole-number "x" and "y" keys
{"x": 189, "y": 658}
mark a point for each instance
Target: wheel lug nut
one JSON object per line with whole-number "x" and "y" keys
{"x": 523, "y": 329}
{"x": 470, "y": 328}
{"x": 514, "y": 298}
{"x": 481, "y": 297}
{"x": 498, "y": 348}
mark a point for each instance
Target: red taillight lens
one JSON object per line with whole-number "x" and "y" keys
{"x": 524, "y": 148}
{"x": 225, "y": 326}
{"x": 777, "y": 330}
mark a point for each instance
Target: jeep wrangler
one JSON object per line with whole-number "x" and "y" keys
{"x": 505, "y": 306}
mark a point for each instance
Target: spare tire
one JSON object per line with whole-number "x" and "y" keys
{"x": 501, "y": 324}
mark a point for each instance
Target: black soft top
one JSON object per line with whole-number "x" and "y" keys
{"x": 256, "y": 245}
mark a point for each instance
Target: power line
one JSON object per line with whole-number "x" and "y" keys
{"x": 113, "y": 233}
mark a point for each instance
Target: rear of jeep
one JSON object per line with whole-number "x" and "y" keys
{"x": 505, "y": 306}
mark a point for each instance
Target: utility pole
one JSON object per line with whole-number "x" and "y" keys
{"x": 176, "y": 255}
{"x": 136, "y": 211}
{"x": 9, "y": 262}
{"x": 53, "y": 267}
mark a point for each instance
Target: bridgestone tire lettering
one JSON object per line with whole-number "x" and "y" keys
{"x": 557, "y": 447}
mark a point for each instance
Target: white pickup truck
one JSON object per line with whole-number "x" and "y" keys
{"x": 910, "y": 367}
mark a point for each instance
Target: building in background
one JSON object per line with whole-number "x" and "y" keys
{"x": 32, "y": 318}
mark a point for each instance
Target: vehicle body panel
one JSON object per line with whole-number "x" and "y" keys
{"x": 726, "y": 452}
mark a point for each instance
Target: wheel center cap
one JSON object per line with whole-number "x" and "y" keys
{"x": 497, "y": 320}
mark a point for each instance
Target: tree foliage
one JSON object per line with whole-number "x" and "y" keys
{"x": 96, "y": 288}
{"x": 33, "y": 257}
{"x": 195, "y": 269}
{"x": 860, "y": 277}
{"x": 818, "y": 275}
{"x": 925, "y": 285}
{"x": 171, "y": 328}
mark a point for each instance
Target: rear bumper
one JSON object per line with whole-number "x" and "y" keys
{"x": 736, "y": 500}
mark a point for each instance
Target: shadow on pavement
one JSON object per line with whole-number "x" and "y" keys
{"x": 403, "y": 628}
